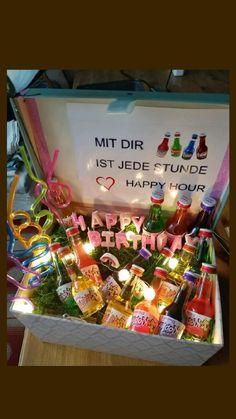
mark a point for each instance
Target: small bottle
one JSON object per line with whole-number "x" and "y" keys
{"x": 119, "y": 312}
{"x": 202, "y": 148}
{"x": 204, "y": 217}
{"x": 160, "y": 275}
{"x": 64, "y": 289}
{"x": 176, "y": 146}
{"x": 192, "y": 278}
{"x": 189, "y": 150}
{"x": 145, "y": 318}
{"x": 172, "y": 318}
{"x": 177, "y": 225}
{"x": 84, "y": 291}
{"x": 204, "y": 250}
{"x": 142, "y": 257}
{"x": 135, "y": 286}
{"x": 200, "y": 311}
{"x": 154, "y": 222}
{"x": 163, "y": 147}
{"x": 167, "y": 290}
{"x": 185, "y": 262}
{"x": 86, "y": 263}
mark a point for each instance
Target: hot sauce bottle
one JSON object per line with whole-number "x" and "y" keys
{"x": 163, "y": 147}
{"x": 200, "y": 311}
{"x": 204, "y": 217}
{"x": 189, "y": 150}
{"x": 86, "y": 263}
{"x": 145, "y": 318}
{"x": 167, "y": 290}
{"x": 64, "y": 289}
{"x": 202, "y": 149}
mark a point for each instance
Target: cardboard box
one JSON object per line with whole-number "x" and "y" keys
{"x": 127, "y": 117}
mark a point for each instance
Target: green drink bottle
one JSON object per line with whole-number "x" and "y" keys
{"x": 154, "y": 222}
{"x": 176, "y": 146}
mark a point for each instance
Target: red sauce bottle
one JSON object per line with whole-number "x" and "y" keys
{"x": 202, "y": 149}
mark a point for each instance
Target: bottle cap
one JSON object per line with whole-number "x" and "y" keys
{"x": 189, "y": 248}
{"x": 208, "y": 203}
{"x": 167, "y": 134}
{"x": 145, "y": 253}
{"x": 206, "y": 267}
{"x": 137, "y": 270}
{"x": 184, "y": 201}
{"x": 54, "y": 247}
{"x": 157, "y": 197}
{"x": 203, "y": 134}
{"x": 72, "y": 231}
{"x": 63, "y": 251}
{"x": 194, "y": 136}
{"x": 191, "y": 276}
{"x": 177, "y": 134}
{"x": 161, "y": 272}
{"x": 204, "y": 232}
{"x": 167, "y": 252}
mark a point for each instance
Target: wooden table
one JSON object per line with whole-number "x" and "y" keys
{"x": 37, "y": 353}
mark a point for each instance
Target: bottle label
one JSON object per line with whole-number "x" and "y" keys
{"x": 143, "y": 321}
{"x": 86, "y": 299}
{"x": 202, "y": 155}
{"x": 170, "y": 327}
{"x": 64, "y": 291}
{"x": 172, "y": 237}
{"x": 116, "y": 319}
{"x": 175, "y": 152}
{"x": 138, "y": 289}
{"x": 110, "y": 289}
{"x": 197, "y": 324}
{"x": 161, "y": 153}
{"x": 187, "y": 155}
{"x": 167, "y": 292}
{"x": 92, "y": 272}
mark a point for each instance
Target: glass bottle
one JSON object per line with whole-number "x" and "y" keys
{"x": 202, "y": 148}
{"x": 159, "y": 275}
{"x": 86, "y": 263}
{"x": 154, "y": 222}
{"x": 200, "y": 311}
{"x": 204, "y": 217}
{"x": 172, "y": 318}
{"x": 176, "y": 146}
{"x": 84, "y": 291}
{"x": 189, "y": 150}
{"x": 167, "y": 290}
{"x": 163, "y": 147}
{"x": 142, "y": 257}
{"x": 204, "y": 249}
{"x": 192, "y": 278}
{"x": 64, "y": 289}
{"x": 119, "y": 312}
{"x": 185, "y": 262}
{"x": 145, "y": 318}
{"x": 178, "y": 223}
{"x": 135, "y": 286}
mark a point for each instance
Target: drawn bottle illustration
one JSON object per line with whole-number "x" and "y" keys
{"x": 163, "y": 147}
{"x": 189, "y": 150}
{"x": 176, "y": 146}
{"x": 202, "y": 148}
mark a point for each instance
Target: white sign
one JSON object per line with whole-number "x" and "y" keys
{"x": 118, "y": 162}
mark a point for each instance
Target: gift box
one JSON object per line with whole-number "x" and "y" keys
{"x": 112, "y": 155}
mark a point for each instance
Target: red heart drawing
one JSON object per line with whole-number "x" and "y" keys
{"x": 107, "y": 182}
